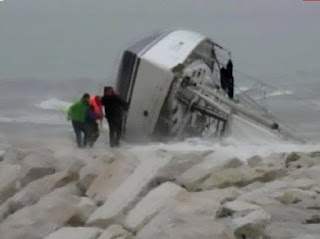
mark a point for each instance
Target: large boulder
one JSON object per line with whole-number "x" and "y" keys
{"x": 251, "y": 225}
{"x": 89, "y": 172}
{"x": 150, "y": 205}
{"x": 75, "y": 233}
{"x": 294, "y": 195}
{"x": 178, "y": 222}
{"x": 265, "y": 191}
{"x": 308, "y": 236}
{"x": 10, "y": 156}
{"x": 84, "y": 209}
{"x": 35, "y": 166}
{"x": 288, "y": 213}
{"x": 179, "y": 164}
{"x": 254, "y": 161}
{"x": 37, "y": 221}
{"x": 110, "y": 177}
{"x": 303, "y": 183}
{"x": 275, "y": 159}
{"x": 241, "y": 176}
{"x": 237, "y": 206}
{"x": 194, "y": 176}
{"x": 292, "y": 157}
{"x": 312, "y": 173}
{"x": 2, "y": 153}
{"x": 31, "y": 194}
{"x": 277, "y": 230}
{"x": 9, "y": 175}
{"x": 115, "y": 232}
{"x": 230, "y": 177}
{"x": 4, "y": 211}
{"x": 220, "y": 195}
{"x": 125, "y": 194}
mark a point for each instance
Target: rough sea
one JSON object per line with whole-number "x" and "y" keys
{"x": 34, "y": 111}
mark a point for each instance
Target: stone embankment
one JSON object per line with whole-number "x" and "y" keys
{"x": 157, "y": 194}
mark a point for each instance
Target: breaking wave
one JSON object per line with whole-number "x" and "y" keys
{"x": 54, "y": 104}
{"x": 275, "y": 93}
{"x": 49, "y": 120}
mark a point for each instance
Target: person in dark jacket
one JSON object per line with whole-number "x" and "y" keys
{"x": 92, "y": 127}
{"x": 77, "y": 114}
{"x": 114, "y": 107}
{"x": 230, "y": 79}
{"x": 223, "y": 78}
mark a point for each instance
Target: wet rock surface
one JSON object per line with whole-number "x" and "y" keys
{"x": 127, "y": 194}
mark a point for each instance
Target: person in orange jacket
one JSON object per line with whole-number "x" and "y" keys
{"x": 95, "y": 102}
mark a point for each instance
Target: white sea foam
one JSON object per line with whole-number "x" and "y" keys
{"x": 275, "y": 93}
{"x": 50, "y": 120}
{"x": 54, "y": 104}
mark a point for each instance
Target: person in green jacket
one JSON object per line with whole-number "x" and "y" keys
{"x": 77, "y": 114}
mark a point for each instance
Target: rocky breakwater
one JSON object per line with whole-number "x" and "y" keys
{"x": 157, "y": 194}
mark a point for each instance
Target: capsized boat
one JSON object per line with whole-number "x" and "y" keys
{"x": 171, "y": 81}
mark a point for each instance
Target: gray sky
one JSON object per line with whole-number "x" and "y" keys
{"x": 61, "y": 39}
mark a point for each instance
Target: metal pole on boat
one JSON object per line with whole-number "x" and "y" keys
{"x": 237, "y": 108}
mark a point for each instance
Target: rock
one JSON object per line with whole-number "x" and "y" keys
{"x": 294, "y": 195}
{"x": 9, "y": 175}
{"x": 194, "y": 176}
{"x": 37, "y": 221}
{"x": 64, "y": 159}
{"x": 288, "y": 213}
{"x": 11, "y": 157}
{"x": 31, "y": 194}
{"x": 312, "y": 229}
{"x": 75, "y": 166}
{"x": 254, "y": 161}
{"x": 312, "y": 173}
{"x": 262, "y": 200}
{"x": 270, "y": 173}
{"x": 292, "y": 158}
{"x": 308, "y": 237}
{"x": 180, "y": 223}
{"x": 233, "y": 163}
{"x": 315, "y": 154}
{"x": 150, "y": 205}
{"x": 316, "y": 189}
{"x": 304, "y": 184}
{"x": 277, "y": 230}
{"x": 236, "y": 207}
{"x": 84, "y": 209}
{"x": 89, "y": 172}
{"x": 230, "y": 177}
{"x": 35, "y": 166}
{"x": 241, "y": 176}
{"x": 315, "y": 219}
{"x": 303, "y": 162}
{"x": 275, "y": 160}
{"x": 251, "y": 225}
{"x": 123, "y": 197}
{"x": 2, "y": 153}
{"x": 179, "y": 164}
{"x": 252, "y": 186}
{"x": 75, "y": 233}
{"x": 265, "y": 190}
{"x": 4, "y": 211}
{"x": 220, "y": 195}
{"x": 70, "y": 189}
{"x": 110, "y": 178}
{"x": 116, "y": 232}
